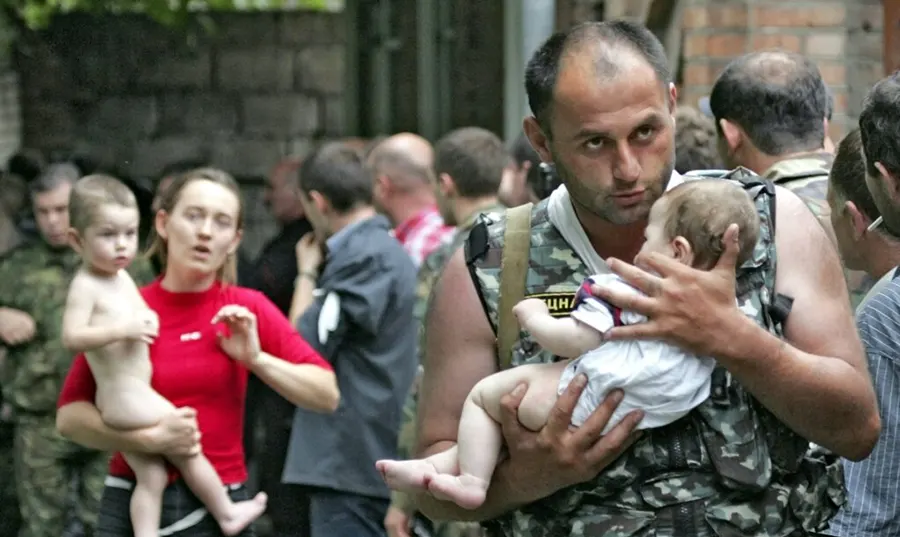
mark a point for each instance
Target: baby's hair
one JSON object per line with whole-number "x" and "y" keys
{"x": 92, "y": 192}
{"x": 701, "y": 210}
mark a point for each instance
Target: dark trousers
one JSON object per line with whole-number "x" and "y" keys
{"x": 340, "y": 514}
{"x": 288, "y": 507}
{"x": 181, "y": 512}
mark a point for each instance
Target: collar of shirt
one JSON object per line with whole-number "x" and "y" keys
{"x": 422, "y": 219}
{"x": 489, "y": 208}
{"x": 335, "y": 241}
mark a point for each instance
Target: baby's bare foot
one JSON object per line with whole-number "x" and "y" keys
{"x": 464, "y": 490}
{"x": 405, "y": 476}
{"x": 242, "y": 514}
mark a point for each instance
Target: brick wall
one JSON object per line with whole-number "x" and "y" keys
{"x": 843, "y": 37}
{"x": 137, "y": 96}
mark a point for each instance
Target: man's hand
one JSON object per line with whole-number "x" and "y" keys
{"x": 177, "y": 434}
{"x": 397, "y": 522}
{"x": 557, "y": 457}
{"x": 16, "y": 326}
{"x": 693, "y": 309}
{"x": 309, "y": 253}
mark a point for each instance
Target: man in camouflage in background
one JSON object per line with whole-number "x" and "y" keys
{"x": 34, "y": 281}
{"x": 469, "y": 165}
{"x": 13, "y": 197}
{"x": 783, "y": 139}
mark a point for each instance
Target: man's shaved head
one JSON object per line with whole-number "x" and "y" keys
{"x": 403, "y": 155}
{"x": 605, "y": 48}
{"x": 406, "y": 158}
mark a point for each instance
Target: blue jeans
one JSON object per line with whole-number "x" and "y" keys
{"x": 341, "y": 514}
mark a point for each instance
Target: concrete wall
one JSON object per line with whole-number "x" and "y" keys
{"x": 138, "y": 96}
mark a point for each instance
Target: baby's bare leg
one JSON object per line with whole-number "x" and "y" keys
{"x": 146, "y": 500}
{"x": 205, "y": 483}
{"x": 479, "y": 429}
{"x": 480, "y": 437}
{"x": 564, "y": 337}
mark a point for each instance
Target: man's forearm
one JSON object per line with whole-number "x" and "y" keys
{"x": 303, "y": 297}
{"x": 816, "y": 396}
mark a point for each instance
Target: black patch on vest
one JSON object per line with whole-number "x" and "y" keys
{"x": 477, "y": 243}
{"x": 559, "y": 304}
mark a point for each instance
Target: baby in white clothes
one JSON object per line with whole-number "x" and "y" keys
{"x": 687, "y": 224}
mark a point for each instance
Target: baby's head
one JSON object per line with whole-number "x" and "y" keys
{"x": 689, "y": 221}
{"x": 104, "y": 216}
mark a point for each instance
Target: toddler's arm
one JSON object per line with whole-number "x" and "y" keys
{"x": 565, "y": 337}
{"x": 77, "y": 333}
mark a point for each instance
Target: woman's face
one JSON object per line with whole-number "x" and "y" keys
{"x": 201, "y": 231}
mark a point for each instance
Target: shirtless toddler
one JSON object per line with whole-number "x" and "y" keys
{"x": 108, "y": 320}
{"x": 686, "y": 224}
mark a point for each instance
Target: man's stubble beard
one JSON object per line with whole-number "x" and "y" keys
{"x": 607, "y": 209}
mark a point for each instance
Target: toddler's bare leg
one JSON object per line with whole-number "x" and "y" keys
{"x": 146, "y": 500}
{"x": 203, "y": 481}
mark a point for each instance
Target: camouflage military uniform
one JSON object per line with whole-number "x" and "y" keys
{"x": 10, "y": 520}
{"x": 34, "y": 278}
{"x": 729, "y": 468}
{"x": 807, "y": 176}
{"x": 429, "y": 272}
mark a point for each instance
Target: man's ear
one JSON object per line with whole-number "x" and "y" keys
{"x": 447, "y": 185}
{"x": 682, "y": 250}
{"x": 383, "y": 182}
{"x": 673, "y": 99}
{"x": 858, "y": 221}
{"x": 732, "y": 134}
{"x": 75, "y": 240}
{"x": 539, "y": 140}
{"x": 319, "y": 201}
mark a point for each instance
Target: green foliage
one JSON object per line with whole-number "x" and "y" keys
{"x": 37, "y": 14}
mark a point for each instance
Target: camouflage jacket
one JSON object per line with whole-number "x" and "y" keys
{"x": 34, "y": 278}
{"x": 728, "y": 468}
{"x": 807, "y": 176}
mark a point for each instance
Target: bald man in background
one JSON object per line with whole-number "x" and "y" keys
{"x": 404, "y": 192}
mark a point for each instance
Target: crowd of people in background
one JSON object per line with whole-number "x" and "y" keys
{"x": 359, "y": 330}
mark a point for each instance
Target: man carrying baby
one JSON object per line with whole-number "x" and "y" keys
{"x": 789, "y": 371}
{"x": 659, "y": 379}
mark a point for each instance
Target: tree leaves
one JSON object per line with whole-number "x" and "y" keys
{"x": 37, "y": 14}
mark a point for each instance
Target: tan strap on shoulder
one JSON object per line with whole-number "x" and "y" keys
{"x": 513, "y": 273}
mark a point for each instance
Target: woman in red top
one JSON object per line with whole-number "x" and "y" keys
{"x": 211, "y": 336}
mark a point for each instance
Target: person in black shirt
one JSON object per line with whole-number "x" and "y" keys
{"x": 273, "y": 274}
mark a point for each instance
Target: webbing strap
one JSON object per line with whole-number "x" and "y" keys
{"x": 513, "y": 273}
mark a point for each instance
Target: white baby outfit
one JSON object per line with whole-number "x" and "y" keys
{"x": 660, "y": 379}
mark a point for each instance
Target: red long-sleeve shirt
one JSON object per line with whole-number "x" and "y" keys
{"x": 189, "y": 368}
